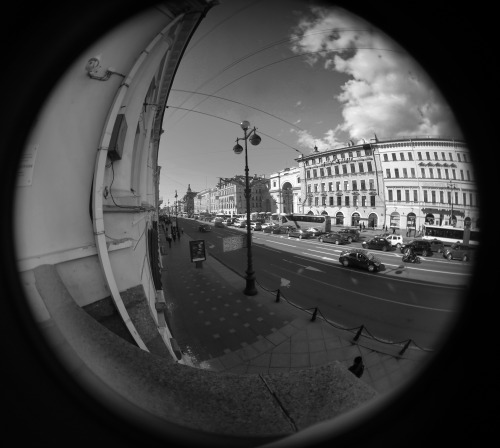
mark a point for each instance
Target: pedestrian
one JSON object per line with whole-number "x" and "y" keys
{"x": 169, "y": 239}
{"x": 174, "y": 236}
{"x": 386, "y": 227}
{"x": 393, "y": 230}
{"x": 357, "y": 368}
{"x": 360, "y": 227}
{"x": 363, "y": 226}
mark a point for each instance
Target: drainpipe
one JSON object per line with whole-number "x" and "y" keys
{"x": 98, "y": 188}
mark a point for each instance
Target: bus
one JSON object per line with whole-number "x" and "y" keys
{"x": 321, "y": 222}
{"x": 448, "y": 234}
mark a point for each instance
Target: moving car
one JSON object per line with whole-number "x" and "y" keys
{"x": 301, "y": 234}
{"x": 314, "y": 231}
{"x": 205, "y": 228}
{"x": 459, "y": 251}
{"x": 437, "y": 245}
{"x": 265, "y": 225}
{"x": 351, "y": 234}
{"x": 377, "y": 243}
{"x": 420, "y": 247}
{"x": 256, "y": 225}
{"x": 283, "y": 229}
{"x": 270, "y": 228}
{"x": 360, "y": 258}
{"x": 333, "y": 237}
{"x": 395, "y": 240}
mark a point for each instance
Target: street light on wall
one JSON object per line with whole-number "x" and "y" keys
{"x": 250, "y": 289}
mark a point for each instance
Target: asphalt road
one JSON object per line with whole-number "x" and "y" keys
{"x": 401, "y": 301}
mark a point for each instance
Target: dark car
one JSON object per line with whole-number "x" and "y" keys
{"x": 269, "y": 229}
{"x": 360, "y": 258}
{"x": 460, "y": 251}
{"x": 436, "y": 245}
{"x": 283, "y": 229}
{"x": 333, "y": 237}
{"x": 205, "y": 228}
{"x": 351, "y": 234}
{"x": 256, "y": 225}
{"x": 420, "y": 247}
{"x": 377, "y": 243}
{"x": 301, "y": 234}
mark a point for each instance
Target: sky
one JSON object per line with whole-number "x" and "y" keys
{"x": 304, "y": 76}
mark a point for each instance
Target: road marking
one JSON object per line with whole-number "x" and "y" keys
{"x": 311, "y": 268}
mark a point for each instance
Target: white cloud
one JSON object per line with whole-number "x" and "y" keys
{"x": 387, "y": 93}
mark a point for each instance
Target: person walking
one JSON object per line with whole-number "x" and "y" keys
{"x": 357, "y": 367}
{"x": 169, "y": 239}
{"x": 174, "y": 234}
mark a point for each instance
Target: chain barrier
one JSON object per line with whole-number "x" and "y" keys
{"x": 360, "y": 331}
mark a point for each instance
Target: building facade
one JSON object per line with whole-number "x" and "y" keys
{"x": 397, "y": 183}
{"x": 285, "y": 190}
{"x": 428, "y": 181}
{"x": 344, "y": 183}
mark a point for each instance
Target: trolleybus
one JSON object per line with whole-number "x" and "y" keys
{"x": 448, "y": 234}
{"x": 321, "y": 222}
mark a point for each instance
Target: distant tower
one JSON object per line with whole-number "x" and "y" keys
{"x": 189, "y": 201}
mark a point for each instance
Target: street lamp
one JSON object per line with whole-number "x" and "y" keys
{"x": 451, "y": 186}
{"x": 250, "y": 289}
{"x": 176, "y": 209}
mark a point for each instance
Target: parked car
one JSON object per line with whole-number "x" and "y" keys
{"x": 360, "y": 258}
{"x": 377, "y": 243}
{"x": 240, "y": 223}
{"x": 256, "y": 225}
{"x": 420, "y": 247}
{"x": 352, "y": 234}
{"x": 265, "y": 225}
{"x": 460, "y": 251}
{"x": 314, "y": 231}
{"x": 395, "y": 240}
{"x": 299, "y": 233}
{"x": 205, "y": 228}
{"x": 283, "y": 229}
{"x": 220, "y": 224}
{"x": 333, "y": 237}
{"x": 437, "y": 245}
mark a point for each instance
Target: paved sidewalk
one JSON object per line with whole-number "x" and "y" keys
{"x": 219, "y": 328}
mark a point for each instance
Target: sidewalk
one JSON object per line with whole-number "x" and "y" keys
{"x": 219, "y": 328}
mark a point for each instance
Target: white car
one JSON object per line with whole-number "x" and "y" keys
{"x": 395, "y": 240}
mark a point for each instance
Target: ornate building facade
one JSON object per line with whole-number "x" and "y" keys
{"x": 285, "y": 191}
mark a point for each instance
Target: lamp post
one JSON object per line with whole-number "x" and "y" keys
{"x": 250, "y": 289}
{"x": 176, "y": 209}
{"x": 451, "y": 186}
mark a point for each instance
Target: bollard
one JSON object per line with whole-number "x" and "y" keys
{"x": 277, "y": 296}
{"x": 358, "y": 334}
{"x": 405, "y": 347}
{"x": 313, "y": 318}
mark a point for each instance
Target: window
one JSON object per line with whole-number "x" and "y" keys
{"x": 339, "y": 201}
{"x": 433, "y": 195}
{"x": 470, "y": 199}
{"x": 465, "y": 199}
{"x": 449, "y": 197}
{"x": 459, "y": 158}
{"x": 369, "y": 166}
{"x": 315, "y": 188}
{"x": 346, "y": 185}
{"x": 347, "y": 201}
{"x": 331, "y": 200}
{"x": 361, "y": 169}
{"x": 405, "y": 172}
{"x": 355, "y": 201}
{"x": 354, "y": 185}
{"x": 401, "y": 155}
{"x": 425, "y": 195}
{"x": 428, "y": 156}
{"x": 298, "y": 180}
{"x": 274, "y": 184}
{"x": 441, "y": 197}
{"x": 363, "y": 185}
{"x": 358, "y": 153}
{"x": 398, "y": 195}
{"x": 390, "y": 195}
{"x": 407, "y": 195}
{"x": 450, "y": 156}
{"x": 308, "y": 174}
{"x": 316, "y": 201}
{"x": 422, "y": 172}
{"x": 412, "y": 172}
{"x": 456, "y": 198}
{"x": 443, "y": 157}
{"x": 330, "y": 186}
{"x": 323, "y": 200}
{"x": 396, "y": 173}
{"x": 329, "y": 171}
{"x": 431, "y": 172}
{"x": 344, "y": 169}
{"x": 337, "y": 170}
{"x": 462, "y": 174}
{"x": 454, "y": 174}
{"x": 363, "y": 201}
{"x": 394, "y": 156}
{"x": 372, "y": 184}
{"x": 386, "y": 158}
{"x": 388, "y": 173}
{"x": 468, "y": 175}
{"x": 439, "y": 173}
{"x": 410, "y": 156}
{"x": 315, "y": 173}
{"x": 322, "y": 186}
{"x": 372, "y": 201}
{"x": 322, "y": 172}
{"x": 309, "y": 188}
{"x": 465, "y": 157}
{"x": 436, "y": 156}
{"x": 419, "y": 155}
{"x": 446, "y": 173}
{"x": 353, "y": 168}
{"x": 415, "y": 195}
